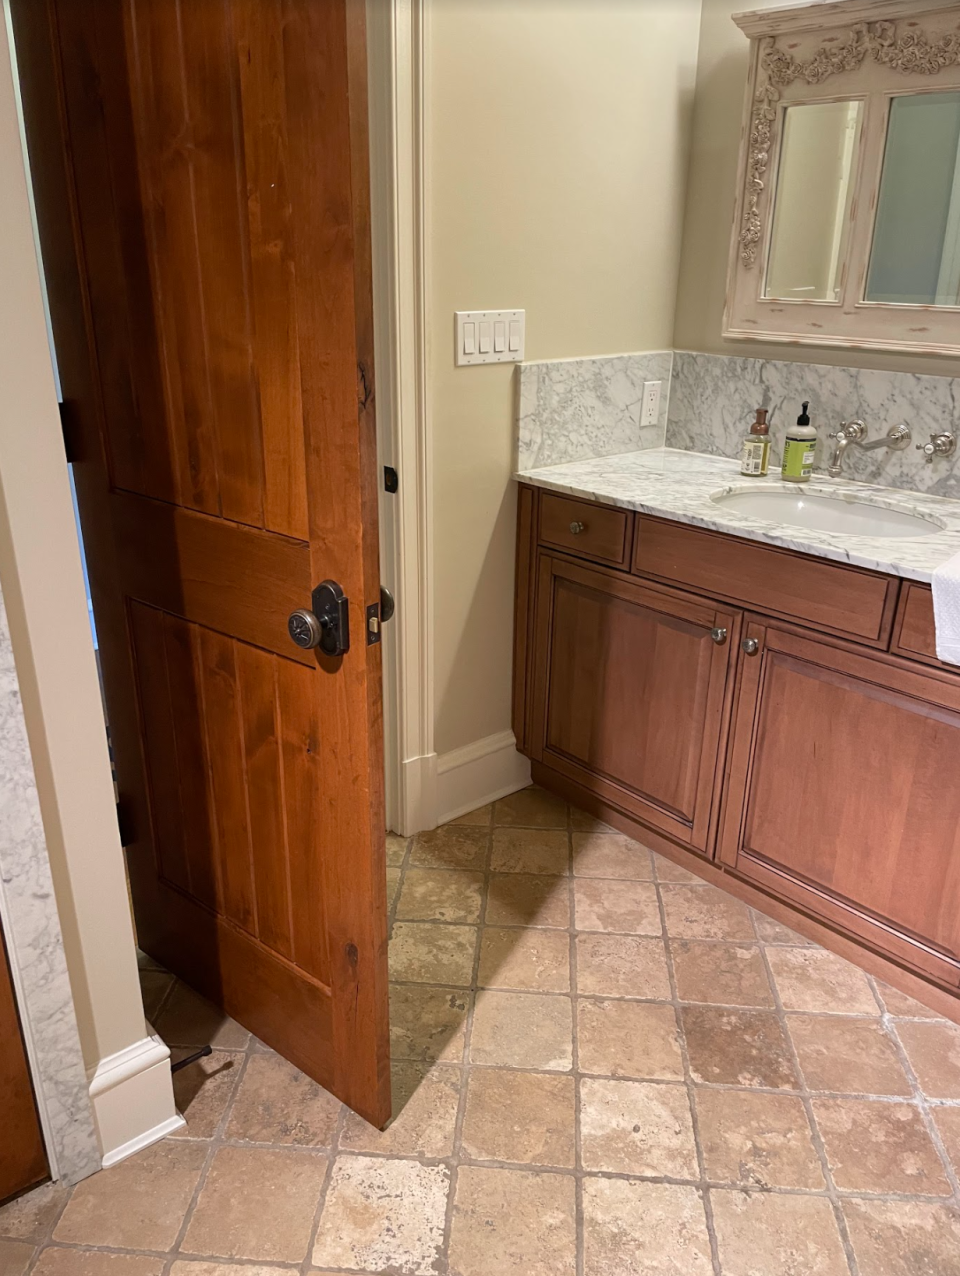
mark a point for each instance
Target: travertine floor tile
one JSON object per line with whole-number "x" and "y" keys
{"x": 629, "y": 1039}
{"x": 530, "y": 851}
{"x": 154, "y": 986}
{"x": 813, "y": 979}
{"x": 527, "y": 1117}
{"x": 611, "y": 855}
{"x": 29, "y": 1217}
{"x": 763, "y": 1234}
{"x": 277, "y": 1103}
{"x": 425, "y": 1099}
{"x": 525, "y": 899}
{"x": 257, "y": 1203}
{"x": 847, "y": 1055}
{"x": 138, "y": 1204}
{"x": 933, "y": 1049}
{"x": 440, "y": 895}
{"x": 737, "y": 1047}
{"x": 898, "y": 1003}
{"x": 482, "y": 817}
{"x": 383, "y": 1216}
{"x": 431, "y": 953}
{"x": 904, "y": 1238}
{"x": 523, "y": 1030}
{"x": 770, "y": 931}
{"x": 588, "y": 823}
{"x": 393, "y": 886}
{"x": 91, "y": 1262}
{"x": 531, "y": 808}
{"x": 626, "y": 908}
{"x": 189, "y": 1020}
{"x": 622, "y": 966}
{"x": 427, "y": 1023}
{"x": 947, "y": 1121}
{"x": 538, "y": 960}
{"x": 703, "y": 912}
{"x": 667, "y": 871}
{"x": 512, "y": 1221}
{"x": 636, "y": 1127}
{"x": 725, "y": 974}
{"x": 15, "y": 1257}
{"x": 451, "y": 847}
{"x": 396, "y": 849}
{"x": 203, "y": 1090}
{"x": 758, "y": 1140}
{"x": 874, "y": 1146}
{"x": 644, "y": 1229}
{"x": 195, "y": 1267}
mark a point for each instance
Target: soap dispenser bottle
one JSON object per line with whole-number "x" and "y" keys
{"x": 755, "y": 454}
{"x": 799, "y": 450}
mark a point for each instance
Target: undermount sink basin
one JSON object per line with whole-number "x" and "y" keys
{"x": 844, "y": 514}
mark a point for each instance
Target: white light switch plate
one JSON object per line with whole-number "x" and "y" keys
{"x": 489, "y": 336}
{"x": 650, "y": 411}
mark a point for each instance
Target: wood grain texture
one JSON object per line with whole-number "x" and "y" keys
{"x": 914, "y": 631}
{"x": 23, "y": 1161}
{"x": 604, "y": 535}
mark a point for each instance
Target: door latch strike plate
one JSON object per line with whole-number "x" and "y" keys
{"x": 391, "y": 479}
{"x": 373, "y": 624}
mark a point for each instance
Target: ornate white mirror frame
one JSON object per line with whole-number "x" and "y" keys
{"x": 871, "y": 52}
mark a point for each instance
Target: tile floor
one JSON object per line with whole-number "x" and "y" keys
{"x": 602, "y": 1067}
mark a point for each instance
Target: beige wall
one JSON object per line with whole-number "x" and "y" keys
{"x": 711, "y": 197}
{"x": 43, "y": 590}
{"x": 557, "y": 154}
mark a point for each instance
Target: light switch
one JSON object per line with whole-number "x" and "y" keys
{"x": 516, "y": 334}
{"x": 489, "y": 336}
{"x": 469, "y": 338}
{"x": 499, "y": 336}
{"x": 484, "y": 336}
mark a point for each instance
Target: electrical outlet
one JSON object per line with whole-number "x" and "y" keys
{"x": 650, "y": 411}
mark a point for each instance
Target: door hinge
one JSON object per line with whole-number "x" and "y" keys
{"x": 68, "y": 429}
{"x": 125, "y": 824}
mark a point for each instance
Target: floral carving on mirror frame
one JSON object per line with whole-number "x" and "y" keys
{"x": 913, "y": 53}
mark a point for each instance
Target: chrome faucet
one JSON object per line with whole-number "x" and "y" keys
{"x": 896, "y": 439}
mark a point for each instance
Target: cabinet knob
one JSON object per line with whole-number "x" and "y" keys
{"x": 719, "y": 635}
{"x": 577, "y": 528}
{"x": 750, "y": 646}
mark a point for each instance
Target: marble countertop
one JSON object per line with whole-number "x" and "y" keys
{"x": 674, "y": 484}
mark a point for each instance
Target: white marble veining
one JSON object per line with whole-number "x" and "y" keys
{"x": 32, "y": 928}
{"x": 713, "y": 397}
{"x": 572, "y": 409}
{"x": 674, "y": 484}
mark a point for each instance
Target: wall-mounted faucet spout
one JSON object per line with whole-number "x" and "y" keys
{"x": 896, "y": 439}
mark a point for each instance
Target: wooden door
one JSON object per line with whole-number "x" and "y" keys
{"x": 630, "y": 688}
{"x": 201, "y": 172}
{"x": 23, "y": 1161}
{"x": 841, "y": 793}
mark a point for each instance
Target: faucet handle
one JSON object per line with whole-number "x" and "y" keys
{"x": 942, "y": 444}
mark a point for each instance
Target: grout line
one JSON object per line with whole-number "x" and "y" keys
{"x": 580, "y": 1238}
{"x": 307, "y": 1263}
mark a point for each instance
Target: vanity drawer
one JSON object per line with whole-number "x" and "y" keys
{"x": 778, "y": 582}
{"x": 914, "y": 633}
{"x": 582, "y": 527}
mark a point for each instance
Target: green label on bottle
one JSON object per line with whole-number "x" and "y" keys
{"x": 798, "y": 457}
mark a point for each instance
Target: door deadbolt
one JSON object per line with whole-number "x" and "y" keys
{"x": 327, "y": 625}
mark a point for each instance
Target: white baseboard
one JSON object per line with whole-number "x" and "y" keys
{"x": 417, "y": 805}
{"x": 132, "y": 1096}
{"x": 479, "y": 773}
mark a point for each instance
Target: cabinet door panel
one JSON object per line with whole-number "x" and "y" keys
{"x": 630, "y": 693}
{"x": 841, "y": 796}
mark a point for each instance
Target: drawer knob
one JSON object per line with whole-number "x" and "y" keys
{"x": 719, "y": 635}
{"x": 750, "y": 646}
{"x": 577, "y": 528}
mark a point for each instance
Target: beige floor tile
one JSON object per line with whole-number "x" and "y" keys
{"x": 667, "y": 871}
{"x": 899, "y": 1004}
{"x": 626, "y": 908}
{"x": 383, "y": 1216}
{"x": 724, "y": 974}
{"x": 257, "y": 1203}
{"x": 138, "y": 1204}
{"x": 203, "y": 1090}
{"x": 704, "y": 912}
{"x": 277, "y": 1103}
{"x": 763, "y": 1234}
{"x": 527, "y": 1117}
{"x": 644, "y": 1229}
{"x": 770, "y": 931}
{"x": 934, "y": 1052}
{"x": 737, "y": 1047}
{"x": 431, "y": 953}
{"x": 425, "y": 1099}
{"x": 628, "y": 1039}
{"x": 813, "y": 979}
{"x": 611, "y": 855}
{"x": 904, "y": 1238}
{"x": 636, "y": 1127}
{"x": 622, "y": 966}
{"x": 452, "y": 846}
{"x": 396, "y": 849}
{"x": 537, "y": 960}
{"x": 92, "y": 1262}
{"x": 947, "y": 1121}
{"x": 440, "y": 895}
{"x": 393, "y": 885}
{"x": 30, "y": 1217}
{"x": 531, "y": 808}
{"x": 187, "y": 1019}
{"x": 847, "y": 1055}
{"x": 512, "y": 1221}
{"x": 482, "y": 816}
{"x": 874, "y": 1146}
{"x": 523, "y": 1030}
{"x": 193, "y": 1267}
{"x": 517, "y": 850}
{"x": 525, "y": 899}
{"x": 588, "y": 823}
{"x": 15, "y": 1257}
{"x": 427, "y": 1024}
{"x": 757, "y": 1140}
{"x": 154, "y": 986}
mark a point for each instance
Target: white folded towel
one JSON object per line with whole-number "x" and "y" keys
{"x": 946, "y": 609}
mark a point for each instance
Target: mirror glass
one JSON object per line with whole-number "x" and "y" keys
{"x": 811, "y": 216}
{"x": 916, "y": 239}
